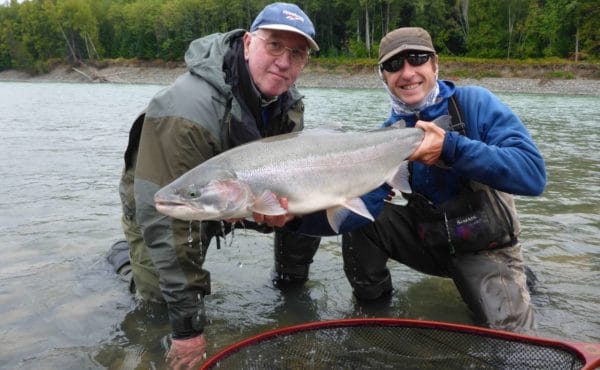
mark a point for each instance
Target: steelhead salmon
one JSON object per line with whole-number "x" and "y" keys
{"x": 314, "y": 169}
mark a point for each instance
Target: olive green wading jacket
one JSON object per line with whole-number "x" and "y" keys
{"x": 210, "y": 108}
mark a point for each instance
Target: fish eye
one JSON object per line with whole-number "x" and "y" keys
{"x": 192, "y": 192}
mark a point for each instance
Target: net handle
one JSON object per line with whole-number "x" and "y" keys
{"x": 588, "y": 352}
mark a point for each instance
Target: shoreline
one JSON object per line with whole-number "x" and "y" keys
{"x": 309, "y": 78}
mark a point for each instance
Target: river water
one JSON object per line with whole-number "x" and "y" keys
{"x": 62, "y": 307}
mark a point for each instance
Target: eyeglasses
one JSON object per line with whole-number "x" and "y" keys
{"x": 299, "y": 57}
{"x": 414, "y": 59}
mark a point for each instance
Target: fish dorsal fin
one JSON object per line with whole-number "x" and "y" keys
{"x": 337, "y": 215}
{"x": 398, "y": 124}
{"x": 399, "y": 180}
{"x": 268, "y": 204}
{"x": 331, "y": 127}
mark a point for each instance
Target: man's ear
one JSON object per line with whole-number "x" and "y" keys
{"x": 247, "y": 40}
{"x": 380, "y": 72}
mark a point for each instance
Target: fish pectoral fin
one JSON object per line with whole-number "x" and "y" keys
{"x": 337, "y": 215}
{"x": 268, "y": 204}
{"x": 399, "y": 179}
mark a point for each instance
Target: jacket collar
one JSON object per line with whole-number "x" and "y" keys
{"x": 446, "y": 90}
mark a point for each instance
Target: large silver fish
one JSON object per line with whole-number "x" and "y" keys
{"x": 315, "y": 169}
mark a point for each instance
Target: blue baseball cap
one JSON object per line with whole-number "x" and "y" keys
{"x": 286, "y": 17}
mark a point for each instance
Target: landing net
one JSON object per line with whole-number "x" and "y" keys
{"x": 395, "y": 344}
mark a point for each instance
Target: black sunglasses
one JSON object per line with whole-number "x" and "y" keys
{"x": 396, "y": 63}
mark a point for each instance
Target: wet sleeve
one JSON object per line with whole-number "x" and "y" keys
{"x": 168, "y": 147}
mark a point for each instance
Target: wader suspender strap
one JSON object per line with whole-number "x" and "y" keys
{"x": 458, "y": 123}
{"x": 134, "y": 140}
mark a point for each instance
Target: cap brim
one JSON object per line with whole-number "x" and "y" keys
{"x": 404, "y": 48}
{"x": 284, "y": 27}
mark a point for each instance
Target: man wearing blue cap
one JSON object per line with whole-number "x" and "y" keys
{"x": 239, "y": 87}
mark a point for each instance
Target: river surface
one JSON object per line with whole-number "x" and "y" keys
{"x": 62, "y": 307}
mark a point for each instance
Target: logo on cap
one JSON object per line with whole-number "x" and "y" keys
{"x": 292, "y": 16}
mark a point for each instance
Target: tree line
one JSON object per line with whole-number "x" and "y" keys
{"x": 34, "y": 33}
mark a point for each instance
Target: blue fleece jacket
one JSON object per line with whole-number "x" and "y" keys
{"x": 497, "y": 151}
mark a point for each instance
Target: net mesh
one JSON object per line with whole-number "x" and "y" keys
{"x": 377, "y": 346}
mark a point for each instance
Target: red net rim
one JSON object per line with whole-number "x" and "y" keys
{"x": 589, "y": 353}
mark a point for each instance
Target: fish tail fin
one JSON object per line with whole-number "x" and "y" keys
{"x": 444, "y": 122}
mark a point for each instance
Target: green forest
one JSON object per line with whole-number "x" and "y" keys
{"x": 36, "y": 33}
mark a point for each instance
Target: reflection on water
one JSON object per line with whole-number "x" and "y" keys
{"x": 61, "y": 306}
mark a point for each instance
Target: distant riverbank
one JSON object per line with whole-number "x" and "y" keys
{"x": 311, "y": 77}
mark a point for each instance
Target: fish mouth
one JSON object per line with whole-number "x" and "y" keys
{"x": 162, "y": 203}
{"x": 173, "y": 209}
{"x": 163, "y": 207}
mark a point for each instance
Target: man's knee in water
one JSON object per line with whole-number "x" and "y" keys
{"x": 379, "y": 292}
{"x": 118, "y": 257}
{"x": 293, "y": 255}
